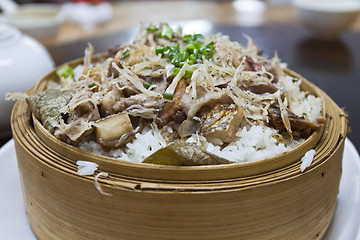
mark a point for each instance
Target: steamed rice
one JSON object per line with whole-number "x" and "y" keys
{"x": 253, "y": 143}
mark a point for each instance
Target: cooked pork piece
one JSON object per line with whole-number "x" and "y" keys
{"x": 191, "y": 107}
{"x": 172, "y": 107}
{"x": 189, "y": 126}
{"x": 87, "y": 110}
{"x": 74, "y": 132}
{"x": 260, "y": 88}
{"x": 139, "y": 103}
{"x": 109, "y": 100}
{"x": 251, "y": 65}
{"x": 222, "y": 122}
{"x": 112, "y": 128}
{"x": 301, "y": 128}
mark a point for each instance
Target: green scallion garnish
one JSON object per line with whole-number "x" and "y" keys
{"x": 65, "y": 71}
{"x": 167, "y": 32}
{"x": 126, "y": 53}
{"x": 194, "y": 51}
{"x": 159, "y": 50}
{"x": 187, "y": 38}
{"x": 147, "y": 85}
{"x": 169, "y": 96}
{"x": 152, "y": 28}
{"x": 188, "y": 73}
{"x": 175, "y": 71}
{"x": 193, "y": 38}
{"x": 92, "y": 84}
{"x": 199, "y": 37}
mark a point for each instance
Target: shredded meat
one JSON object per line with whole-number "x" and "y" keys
{"x": 137, "y": 101}
{"x": 251, "y": 65}
{"x": 85, "y": 110}
{"x": 171, "y": 108}
{"x": 301, "y": 128}
{"x": 260, "y": 88}
{"x": 74, "y": 132}
{"x": 191, "y": 107}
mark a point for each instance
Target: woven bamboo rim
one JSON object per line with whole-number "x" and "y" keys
{"x": 162, "y": 202}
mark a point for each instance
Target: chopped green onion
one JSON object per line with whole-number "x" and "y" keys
{"x": 197, "y": 44}
{"x": 152, "y": 28}
{"x": 187, "y": 38}
{"x": 193, "y": 38}
{"x": 208, "y": 53}
{"x": 193, "y": 51}
{"x": 174, "y": 49}
{"x": 167, "y": 32}
{"x": 159, "y": 50}
{"x": 175, "y": 71}
{"x": 199, "y": 36}
{"x": 210, "y": 45}
{"x": 65, "y": 71}
{"x": 92, "y": 84}
{"x": 147, "y": 85}
{"x": 189, "y": 48}
{"x": 167, "y": 52}
{"x": 126, "y": 53}
{"x": 169, "y": 96}
{"x": 192, "y": 57}
{"x": 188, "y": 73}
{"x": 184, "y": 56}
{"x": 176, "y": 59}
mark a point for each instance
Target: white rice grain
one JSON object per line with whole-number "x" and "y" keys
{"x": 253, "y": 144}
{"x": 86, "y": 168}
{"x": 307, "y": 159}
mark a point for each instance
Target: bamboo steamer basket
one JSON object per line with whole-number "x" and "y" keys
{"x": 268, "y": 199}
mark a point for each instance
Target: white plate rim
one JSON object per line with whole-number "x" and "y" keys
{"x": 348, "y": 200}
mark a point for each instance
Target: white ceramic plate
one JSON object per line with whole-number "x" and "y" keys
{"x": 14, "y": 224}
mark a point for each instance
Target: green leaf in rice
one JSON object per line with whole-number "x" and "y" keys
{"x": 181, "y": 153}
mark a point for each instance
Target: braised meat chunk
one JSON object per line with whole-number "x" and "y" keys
{"x": 301, "y": 128}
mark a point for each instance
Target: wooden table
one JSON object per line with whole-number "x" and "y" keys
{"x": 333, "y": 66}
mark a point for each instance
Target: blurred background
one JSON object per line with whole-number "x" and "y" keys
{"x": 79, "y": 19}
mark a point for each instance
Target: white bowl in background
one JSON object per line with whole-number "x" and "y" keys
{"x": 23, "y": 61}
{"x": 327, "y": 18}
{"x": 41, "y": 21}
